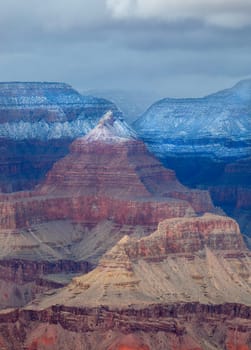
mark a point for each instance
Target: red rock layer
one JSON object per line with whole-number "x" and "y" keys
{"x": 188, "y": 235}
{"x": 123, "y": 169}
{"x": 186, "y": 326}
{"x": 89, "y": 210}
{"x": 99, "y": 180}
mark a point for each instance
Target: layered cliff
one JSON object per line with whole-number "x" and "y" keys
{"x": 38, "y": 121}
{"x": 217, "y": 125}
{"x": 43, "y": 111}
{"x": 108, "y": 182}
{"x": 108, "y": 174}
{"x": 207, "y": 142}
{"x": 186, "y": 286}
{"x": 187, "y": 259}
{"x": 183, "y": 326}
{"x": 157, "y": 273}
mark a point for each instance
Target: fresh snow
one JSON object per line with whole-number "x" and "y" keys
{"x": 46, "y": 111}
{"x": 111, "y": 130}
{"x": 218, "y": 124}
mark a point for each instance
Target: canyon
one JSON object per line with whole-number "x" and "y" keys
{"x": 185, "y": 286}
{"x": 111, "y": 251}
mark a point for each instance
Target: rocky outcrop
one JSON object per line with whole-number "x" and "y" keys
{"x": 108, "y": 174}
{"x": 145, "y": 294}
{"x": 216, "y": 126}
{"x": 23, "y": 280}
{"x": 38, "y": 121}
{"x": 186, "y": 326}
{"x": 188, "y": 235}
{"x": 207, "y": 142}
{"x": 178, "y": 288}
{"x": 186, "y": 259}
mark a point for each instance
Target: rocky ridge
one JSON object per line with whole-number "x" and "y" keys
{"x": 207, "y": 142}
{"x": 187, "y": 259}
{"x": 45, "y": 110}
{"x": 108, "y": 181}
{"x": 38, "y": 121}
{"x": 147, "y": 295}
{"x": 217, "y": 125}
{"x": 184, "y": 286}
{"x": 108, "y": 174}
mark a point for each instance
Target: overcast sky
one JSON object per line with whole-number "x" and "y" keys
{"x": 171, "y": 47}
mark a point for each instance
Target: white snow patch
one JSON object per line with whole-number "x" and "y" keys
{"x": 111, "y": 130}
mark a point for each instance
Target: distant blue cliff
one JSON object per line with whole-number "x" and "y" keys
{"x": 218, "y": 125}
{"x": 37, "y": 110}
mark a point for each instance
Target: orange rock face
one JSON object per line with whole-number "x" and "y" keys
{"x": 189, "y": 235}
{"x": 129, "y": 342}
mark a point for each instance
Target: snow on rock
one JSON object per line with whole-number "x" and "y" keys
{"x": 110, "y": 130}
{"x": 44, "y": 111}
{"x": 218, "y": 125}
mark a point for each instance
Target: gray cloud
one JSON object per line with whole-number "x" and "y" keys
{"x": 217, "y": 12}
{"x": 141, "y": 45}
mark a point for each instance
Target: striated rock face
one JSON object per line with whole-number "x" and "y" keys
{"x": 234, "y": 188}
{"x": 174, "y": 289}
{"x": 23, "y": 280}
{"x": 186, "y": 259}
{"x": 108, "y": 174}
{"x": 207, "y": 142}
{"x": 189, "y": 235}
{"x": 38, "y": 121}
{"x": 215, "y": 126}
{"x": 186, "y": 326}
{"x": 45, "y": 111}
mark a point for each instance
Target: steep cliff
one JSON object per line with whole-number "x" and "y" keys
{"x": 183, "y": 326}
{"x": 107, "y": 186}
{"x": 186, "y": 286}
{"x": 108, "y": 174}
{"x": 38, "y": 121}
{"x": 207, "y": 141}
{"x": 216, "y": 126}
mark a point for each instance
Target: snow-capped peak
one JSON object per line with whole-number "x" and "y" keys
{"x": 110, "y": 130}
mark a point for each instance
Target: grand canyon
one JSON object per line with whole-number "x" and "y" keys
{"x": 124, "y": 237}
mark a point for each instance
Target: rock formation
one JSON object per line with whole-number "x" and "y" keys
{"x": 38, "y": 121}
{"x": 207, "y": 142}
{"x": 154, "y": 271}
{"x": 183, "y": 287}
{"x": 216, "y": 126}
{"x": 108, "y": 176}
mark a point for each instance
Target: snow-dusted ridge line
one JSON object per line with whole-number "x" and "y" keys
{"x": 43, "y": 111}
{"x": 222, "y": 120}
{"x": 45, "y": 131}
{"x": 111, "y": 130}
